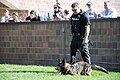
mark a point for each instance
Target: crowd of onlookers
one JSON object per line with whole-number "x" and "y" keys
{"x": 108, "y": 12}
{"x": 8, "y": 18}
{"x": 60, "y": 14}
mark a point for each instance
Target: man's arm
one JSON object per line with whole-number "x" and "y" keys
{"x": 87, "y": 29}
{"x": 60, "y": 17}
{"x": 87, "y": 32}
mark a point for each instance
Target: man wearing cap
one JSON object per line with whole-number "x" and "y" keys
{"x": 80, "y": 29}
{"x": 108, "y": 12}
{"x": 14, "y": 17}
{"x": 90, "y": 12}
{"x": 6, "y": 16}
{"x": 58, "y": 14}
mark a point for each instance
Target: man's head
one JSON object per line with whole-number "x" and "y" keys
{"x": 66, "y": 12}
{"x": 55, "y": 8}
{"x": 32, "y": 13}
{"x": 75, "y": 8}
{"x": 6, "y": 12}
{"x": 106, "y": 4}
{"x": 14, "y": 15}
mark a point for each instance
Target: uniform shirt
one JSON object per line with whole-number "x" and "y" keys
{"x": 112, "y": 13}
{"x": 78, "y": 23}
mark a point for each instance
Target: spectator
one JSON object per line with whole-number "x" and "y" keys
{"x": 37, "y": 17}
{"x": 6, "y": 16}
{"x": 66, "y": 14}
{"x": 14, "y": 18}
{"x": 32, "y": 15}
{"x": 90, "y": 12}
{"x": 108, "y": 12}
{"x": 20, "y": 17}
{"x": 58, "y": 14}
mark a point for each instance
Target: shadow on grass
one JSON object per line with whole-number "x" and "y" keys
{"x": 27, "y": 72}
{"x": 113, "y": 70}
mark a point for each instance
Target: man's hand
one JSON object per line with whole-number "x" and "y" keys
{"x": 87, "y": 31}
{"x": 85, "y": 40}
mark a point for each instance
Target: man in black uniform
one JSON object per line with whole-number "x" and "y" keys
{"x": 80, "y": 29}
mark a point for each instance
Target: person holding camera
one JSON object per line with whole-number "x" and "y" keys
{"x": 58, "y": 14}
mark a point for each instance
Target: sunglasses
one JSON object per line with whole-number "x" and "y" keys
{"x": 88, "y": 5}
{"x": 74, "y": 10}
{"x": 55, "y": 7}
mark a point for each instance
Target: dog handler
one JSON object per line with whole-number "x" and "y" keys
{"x": 80, "y": 29}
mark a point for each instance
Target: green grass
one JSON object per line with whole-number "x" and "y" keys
{"x": 33, "y": 72}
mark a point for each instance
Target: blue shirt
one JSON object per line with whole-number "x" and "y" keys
{"x": 112, "y": 13}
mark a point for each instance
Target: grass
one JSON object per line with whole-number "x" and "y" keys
{"x": 33, "y": 72}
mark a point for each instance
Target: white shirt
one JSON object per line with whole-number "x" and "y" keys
{"x": 91, "y": 14}
{"x": 5, "y": 18}
{"x": 67, "y": 17}
{"x": 112, "y": 13}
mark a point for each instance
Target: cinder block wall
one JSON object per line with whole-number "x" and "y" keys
{"x": 42, "y": 43}
{"x": 106, "y": 36}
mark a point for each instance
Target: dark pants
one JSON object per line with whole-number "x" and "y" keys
{"x": 76, "y": 44}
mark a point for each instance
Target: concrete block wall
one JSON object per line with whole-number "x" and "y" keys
{"x": 42, "y": 43}
{"x": 106, "y": 37}
{"x": 31, "y": 43}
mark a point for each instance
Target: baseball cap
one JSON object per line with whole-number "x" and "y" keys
{"x": 89, "y": 3}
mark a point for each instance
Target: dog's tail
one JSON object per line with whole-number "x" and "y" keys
{"x": 100, "y": 68}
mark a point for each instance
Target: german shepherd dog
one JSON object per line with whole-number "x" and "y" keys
{"x": 77, "y": 68}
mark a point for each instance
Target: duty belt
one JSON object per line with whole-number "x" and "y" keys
{"x": 76, "y": 34}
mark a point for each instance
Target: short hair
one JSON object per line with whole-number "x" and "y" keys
{"x": 66, "y": 11}
{"x": 75, "y": 4}
{"x": 32, "y": 11}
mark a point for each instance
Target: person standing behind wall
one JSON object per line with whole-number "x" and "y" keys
{"x": 90, "y": 12}
{"x": 32, "y": 15}
{"x": 37, "y": 17}
{"x": 58, "y": 14}
{"x": 14, "y": 17}
{"x": 108, "y": 12}
{"x": 66, "y": 14}
{"x": 6, "y": 16}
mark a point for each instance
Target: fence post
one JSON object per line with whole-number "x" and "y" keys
{"x": 64, "y": 32}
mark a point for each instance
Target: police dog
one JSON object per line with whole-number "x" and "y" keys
{"x": 77, "y": 68}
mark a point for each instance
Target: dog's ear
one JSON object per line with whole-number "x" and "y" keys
{"x": 63, "y": 61}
